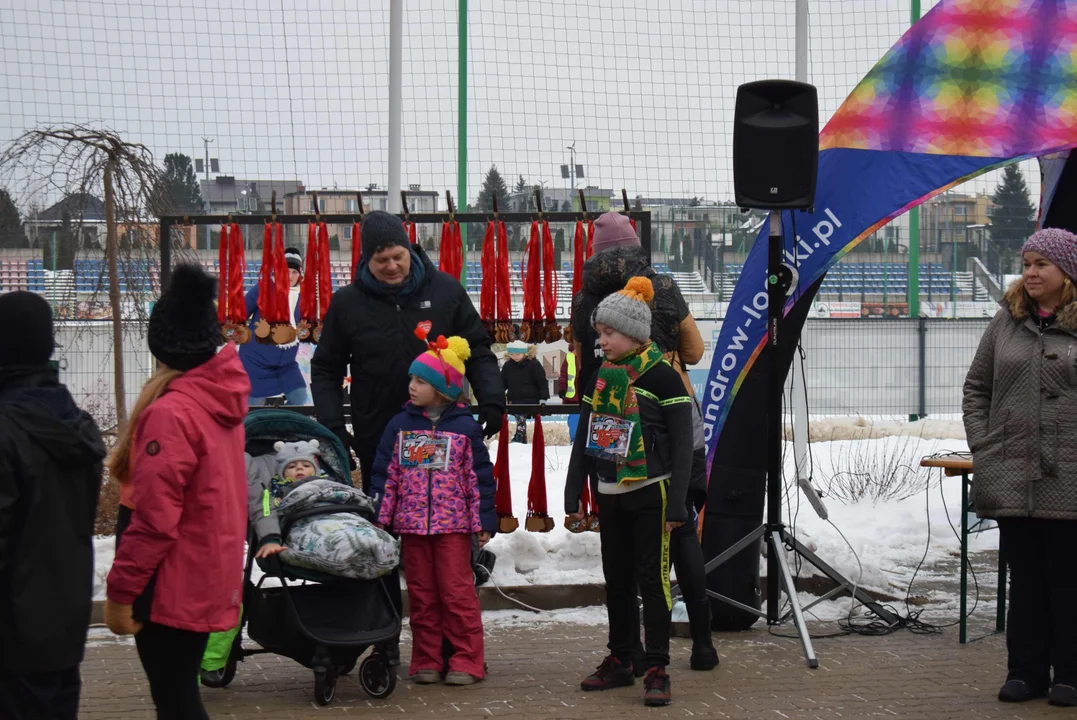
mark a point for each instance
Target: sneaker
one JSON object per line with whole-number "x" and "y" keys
{"x": 656, "y": 687}
{"x": 1018, "y": 691}
{"x": 612, "y": 673}
{"x": 704, "y": 658}
{"x": 427, "y": 677}
{"x": 1062, "y": 696}
{"x": 456, "y": 677}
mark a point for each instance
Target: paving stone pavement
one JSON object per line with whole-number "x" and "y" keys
{"x": 535, "y": 671}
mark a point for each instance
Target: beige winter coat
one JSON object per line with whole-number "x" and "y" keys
{"x": 1020, "y": 407}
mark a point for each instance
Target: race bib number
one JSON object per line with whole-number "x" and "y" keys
{"x": 608, "y": 437}
{"x": 424, "y": 450}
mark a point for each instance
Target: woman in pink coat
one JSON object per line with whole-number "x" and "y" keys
{"x": 178, "y": 570}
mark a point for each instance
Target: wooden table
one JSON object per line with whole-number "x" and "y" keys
{"x": 960, "y": 464}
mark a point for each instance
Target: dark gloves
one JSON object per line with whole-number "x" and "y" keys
{"x": 491, "y": 419}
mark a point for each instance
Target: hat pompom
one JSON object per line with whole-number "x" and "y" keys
{"x": 460, "y": 347}
{"x": 279, "y": 445}
{"x": 315, "y": 444}
{"x": 641, "y": 287}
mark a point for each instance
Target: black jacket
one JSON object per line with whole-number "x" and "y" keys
{"x": 666, "y": 415}
{"x": 606, "y": 273}
{"x": 377, "y": 338}
{"x": 50, "y": 478}
{"x": 525, "y": 382}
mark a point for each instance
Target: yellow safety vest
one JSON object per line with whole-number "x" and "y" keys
{"x": 570, "y": 391}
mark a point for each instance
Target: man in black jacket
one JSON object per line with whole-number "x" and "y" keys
{"x": 50, "y": 476}
{"x": 371, "y": 326}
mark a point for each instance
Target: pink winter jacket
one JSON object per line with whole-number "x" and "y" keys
{"x": 416, "y": 501}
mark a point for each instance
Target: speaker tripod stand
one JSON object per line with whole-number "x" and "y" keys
{"x": 773, "y": 531}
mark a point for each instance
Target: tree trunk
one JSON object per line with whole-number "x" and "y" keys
{"x": 112, "y": 250}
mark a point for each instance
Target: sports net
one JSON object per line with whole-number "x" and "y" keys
{"x": 254, "y": 98}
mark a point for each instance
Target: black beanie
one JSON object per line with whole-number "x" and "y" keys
{"x": 184, "y": 332}
{"x": 294, "y": 259}
{"x": 28, "y": 338}
{"x": 382, "y": 230}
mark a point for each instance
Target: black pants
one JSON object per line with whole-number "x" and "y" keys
{"x": 172, "y": 659}
{"x": 40, "y": 696}
{"x": 521, "y": 430}
{"x": 635, "y": 553}
{"x": 692, "y": 577}
{"x": 1041, "y": 631}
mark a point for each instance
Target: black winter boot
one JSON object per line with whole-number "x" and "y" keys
{"x": 704, "y": 656}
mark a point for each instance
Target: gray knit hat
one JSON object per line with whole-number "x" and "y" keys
{"x": 288, "y": 453}
{"x": 628, "y": 311}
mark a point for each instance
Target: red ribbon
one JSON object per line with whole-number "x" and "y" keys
{"x": 325, "y": 272}
{"x": 276, "y": 278}
{"x": 317, "y": 280}
{"x": 549, "y": 287}
{"x": 577, "y": 260}
{"x": 409, "y": 228}
{"x": 504, "y": 284}
{"x": 357, "y": 248}
{"x": 536, "y": 488}
{"x": 487, "y": 294}
{"x": 530, "y": 276}
{"x": 503, "y": 495}
{"x": 587, "y": 505}
{"x": 237, "y": 262}
{"x": 223, "y": 276}
{"x": 590, "y": 239}
{"x": 267, "y": 298}
{"x": 451, "y": 258}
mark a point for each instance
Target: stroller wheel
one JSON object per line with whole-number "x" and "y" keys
{"x": 325, "y": 686}
{"x": 219, "y": 678}
{"x": 376, "y": 677}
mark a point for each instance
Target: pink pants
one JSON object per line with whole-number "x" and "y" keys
{"x": 444, "y": 603}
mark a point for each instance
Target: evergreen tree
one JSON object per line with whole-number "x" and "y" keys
{"x": 60, "y": 245}
{"x": 1013, "y": 217}
{"x": 493, "y": 186}
{"x": 180, "y": 191}
{"x": 675, "y": 250}
{"x": 11, "y": 233}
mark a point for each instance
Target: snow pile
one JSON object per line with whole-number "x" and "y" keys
{"x": 860, "y": 428}
{"x": 888, "y": 534}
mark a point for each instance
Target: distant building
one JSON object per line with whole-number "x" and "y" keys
{"x": 225, "y": 194}
{"x": 335, "y": 201}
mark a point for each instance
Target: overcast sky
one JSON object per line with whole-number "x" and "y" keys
{"x": 300, "y": 91}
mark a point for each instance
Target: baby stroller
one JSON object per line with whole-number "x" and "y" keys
{"x": 325, "y": 626}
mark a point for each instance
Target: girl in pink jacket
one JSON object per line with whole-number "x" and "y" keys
{"x": 434, "y": 484}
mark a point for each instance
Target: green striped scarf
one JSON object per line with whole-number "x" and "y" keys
{"x": 615, "y": 395}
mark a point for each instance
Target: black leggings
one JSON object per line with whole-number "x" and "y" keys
{"x": 172, "y": 659}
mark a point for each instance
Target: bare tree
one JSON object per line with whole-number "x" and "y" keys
{"x": 78, "y": 159}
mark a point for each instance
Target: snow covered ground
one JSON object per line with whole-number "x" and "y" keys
{"x": 892, "y": 512}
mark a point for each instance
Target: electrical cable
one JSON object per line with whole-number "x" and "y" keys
{"x": 490, "y": 577}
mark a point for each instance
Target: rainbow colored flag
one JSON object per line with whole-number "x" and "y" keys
{"x": 975, "y": 84}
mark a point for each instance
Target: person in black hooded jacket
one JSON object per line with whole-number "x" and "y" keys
{"x": 51, "y": 458}
{"x": 371, "y": 326}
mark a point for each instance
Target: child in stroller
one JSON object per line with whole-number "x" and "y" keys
{"x": 289, "y": 484}
{"x": 314, "y": 603}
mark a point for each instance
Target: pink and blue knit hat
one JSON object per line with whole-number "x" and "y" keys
{"x": 1057, "y": 245}
{"x": 443, "y": 364}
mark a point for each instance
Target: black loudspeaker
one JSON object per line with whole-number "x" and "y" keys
{"x": 775, "y": 145}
